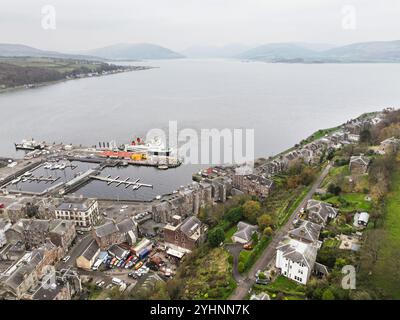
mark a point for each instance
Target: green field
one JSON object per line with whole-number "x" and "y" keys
{"x": 386, "y": 274}
{"x": 351, "y": 202}
{"x": 333, "y": 173}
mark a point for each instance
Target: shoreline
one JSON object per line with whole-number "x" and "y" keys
{"x": 49, "y": 83}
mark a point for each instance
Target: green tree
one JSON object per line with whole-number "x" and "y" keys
{"x": 251, "y": 210}
{"x": 268, "y": 231}
{"x": 234, "y": 215}
{"x": 216, "y": 236}
{"x": 328, "y": 295}
{"x": 264, "y": 221}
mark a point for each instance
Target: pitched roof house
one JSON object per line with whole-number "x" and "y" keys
{"x": 319, "y": 212}
{"x": 115, "y": 233}
{"x": 186, "y": 235}
{"x": 307, "y": 232}
{"x": 359, "y": 164}
{"x": 244, "y": 232}
{"x": 296, "y": 259}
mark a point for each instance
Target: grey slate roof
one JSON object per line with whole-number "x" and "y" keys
{"x": 76, "y": 205}
{"x": 190, "y": 225}
{"x": 299, "y": 252}
{"x": 108, "y": 228}
{"x": 319, "y": 210}
{"x": 307, "y": 231}
{"x": 360, "y": 160}
{"x": 245, "y": 231}
{"x": 91, "y": 251}
{"x": 18, "y": 277}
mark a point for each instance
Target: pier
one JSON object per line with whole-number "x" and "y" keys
{"x": 41, "y": 179}
{"x": 126, "y": 183}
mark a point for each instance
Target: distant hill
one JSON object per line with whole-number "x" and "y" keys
{"x": 228, "y": 51}
{"x": 19, "y": 50}
{"x": 277, "y": 52}
{"x": 138, "y": 51}
{"x": 380, "y": 51}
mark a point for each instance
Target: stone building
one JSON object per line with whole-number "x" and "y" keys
{"x": 185, "y": 235}
{"x": 83, "y": 212}
{"x": 115, "y": 233}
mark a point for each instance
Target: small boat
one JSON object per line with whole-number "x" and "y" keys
{"x": 163, "y": 167}
{"x": 62, "y": 166}
{"x": 27, "y": 174}
{"x": 15, "y": 181}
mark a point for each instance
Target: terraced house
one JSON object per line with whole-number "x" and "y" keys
{"x": 83, "y": 212}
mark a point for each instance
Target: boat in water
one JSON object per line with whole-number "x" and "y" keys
{"x": 154, "y": 147}
{"x": 29, "y": 145}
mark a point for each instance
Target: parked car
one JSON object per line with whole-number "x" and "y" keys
{"x": 66, "y": 258}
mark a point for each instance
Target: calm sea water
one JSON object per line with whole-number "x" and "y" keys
{"x": 283, "y": 103}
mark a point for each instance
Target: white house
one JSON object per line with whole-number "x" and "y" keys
{"x": 296, "y": 259}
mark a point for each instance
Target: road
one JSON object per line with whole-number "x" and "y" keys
{"x": 269, "y": 253}
{"x": 81, "y": 244}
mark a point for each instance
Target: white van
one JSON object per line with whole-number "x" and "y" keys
{"x": 116, "y": 281}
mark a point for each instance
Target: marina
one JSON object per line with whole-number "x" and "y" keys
{"x": 59, "y": 169}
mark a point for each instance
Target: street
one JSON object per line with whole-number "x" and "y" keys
{"x": 269, "y": 253}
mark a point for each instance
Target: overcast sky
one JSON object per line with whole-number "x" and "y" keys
{"x": 178, "y": 24}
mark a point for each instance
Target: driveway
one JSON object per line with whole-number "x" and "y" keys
{"x": 235, "y": 249}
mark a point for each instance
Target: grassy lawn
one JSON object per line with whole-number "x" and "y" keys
{"x": 331, "y": 243}
{"x": 229, "y": 234}
{"x": 351, "y": 202}
{"x": 386, "y": 272}
{"x": 249, "y": 257}
{"x": 290, "y": 289}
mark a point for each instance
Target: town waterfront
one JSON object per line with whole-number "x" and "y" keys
{"x": 283, "y": 103}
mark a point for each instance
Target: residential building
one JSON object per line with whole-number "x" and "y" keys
{"x": 244, "y": 232}
{"x": 319, "y": 212}
{"x": 296, "y": 259}
{"x": 390, "y": 145}
{"x": 27, "y": 271}
{"x": 34, "y": 232}
{"x": 253, "y": 184}
{"x": 52, "y": 292}
{"x": 89, "y": 255}
{"x": 359, "y": 164}
{"x": 63, "y": 233}
{"x": 4, "y": 226}
{"x": 306, "y": 231}
{"x": 83, "y": 212}
{"x": 115, "y": 233}
{"x": 186, "y": 235}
